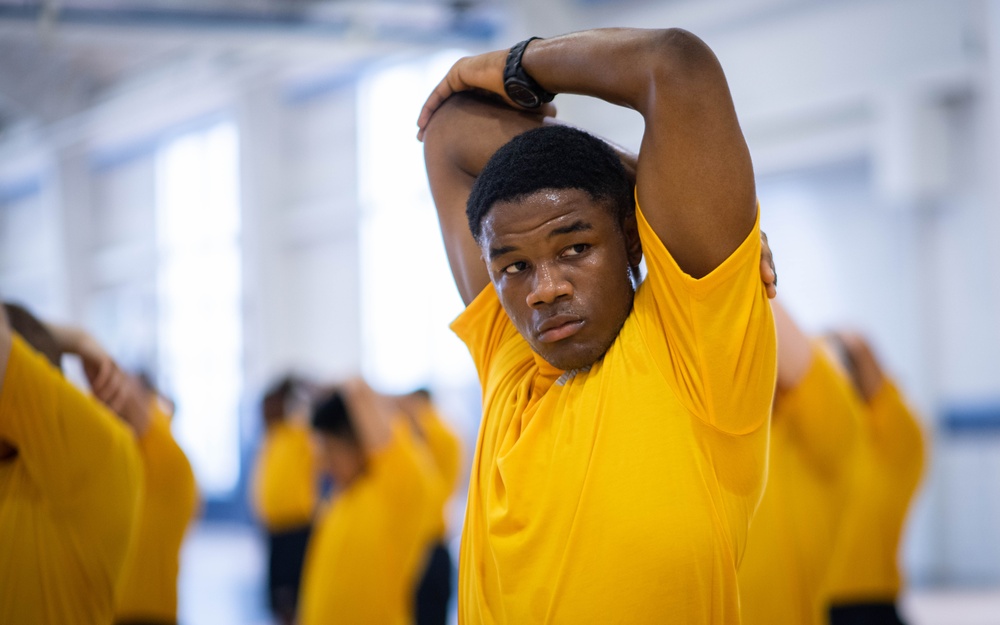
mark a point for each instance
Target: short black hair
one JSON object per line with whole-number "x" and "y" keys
{"x": 330, "y": 417}
{"x": 550, "y": 157}
{"x": 275, "y": 402}
{"x": 34, "y": 332}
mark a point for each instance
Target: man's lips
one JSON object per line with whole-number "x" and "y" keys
{"x": 559, "y": 327}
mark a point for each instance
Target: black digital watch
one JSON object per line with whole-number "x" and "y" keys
{"x": 521, "y": 88}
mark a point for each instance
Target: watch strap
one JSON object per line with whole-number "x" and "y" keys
{"x": 513, "y": 72}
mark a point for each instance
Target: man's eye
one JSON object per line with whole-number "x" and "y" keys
{"x": 517, "y": 267}
{"x": 574, "y": 250}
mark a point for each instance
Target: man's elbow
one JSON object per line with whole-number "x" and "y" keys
{"x": 680, "y": 56}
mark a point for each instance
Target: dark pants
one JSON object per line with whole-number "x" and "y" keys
{"x": 873, "y": 613}
{"x": 434, "y": 591}
{"x": 287, "y": 551}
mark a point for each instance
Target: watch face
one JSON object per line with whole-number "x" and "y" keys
{"x": 522, "y": 95}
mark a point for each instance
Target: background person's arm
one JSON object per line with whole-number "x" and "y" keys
{"x": 694, "y": 175}
{"x": 864, "y": 367}
{"x": 118, "y": 390}
{"x": 371, "y": 415}
{"x": 795, "y": 351}
{"x": 6, "y": 337}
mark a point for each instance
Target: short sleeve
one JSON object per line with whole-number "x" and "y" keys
{"x": 408, "y": 483}
{"x": 486, "y": 330}
{"x": 824, "y": 415}
{"x": 896, "y": 433}
{"x": 713, "y": 337}
{"x": 85, "y": 461}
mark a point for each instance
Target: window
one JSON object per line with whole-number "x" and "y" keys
{"x": 408, "y": 295}
{"x": 199, "y": 293}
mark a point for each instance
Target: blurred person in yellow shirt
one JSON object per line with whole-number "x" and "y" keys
{"x": 623, "y": 446}
{"x": 864, "y": 580}
{"x": 814, "y": 429}
{"x": 170, "y": 502}
{"x": 434, "y": 591}
{"x": 284, "y": 493}
{"x": 70, "y": 476}
{"x": 370, "y": 541}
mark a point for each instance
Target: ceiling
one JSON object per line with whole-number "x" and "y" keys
{"x": 57, "y": 58}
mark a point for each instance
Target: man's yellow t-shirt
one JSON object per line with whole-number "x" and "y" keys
{"x": 170, "y": 503}
{"x": 285, "y": 482}
{"x": 622, "y": 493}
{"x": 367, "y": 549}
{"x": 791, "y": 543}
{"x": 69, "y": 499}
{"x": 888, "y": 465}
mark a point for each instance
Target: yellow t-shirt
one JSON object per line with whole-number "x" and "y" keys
{"x": 791, "y": 542}
{"x": 888, "y": 465}
{"x": 69, "y": 500}
{"x": 171, "y": 501}
{"x": 622, "y": 493}
{"x": 367, "y": 549}
{"x": 446, "y": 451}
{"x": 285, "y": 484}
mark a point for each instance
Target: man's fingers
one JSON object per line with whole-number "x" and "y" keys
{"x": 547, "y": 109}
{"x": 768, "y": 272}
{"x": 105, "y": 372}
{"x": 449, "y": 85}
{"x": 116, "y": 394}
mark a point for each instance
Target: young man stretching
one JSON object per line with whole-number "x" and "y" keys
{"x": 623, "y": 445}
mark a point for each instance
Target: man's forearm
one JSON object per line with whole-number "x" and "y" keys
{"x": 625, "y": 66}
{"x": 68, "y": 338}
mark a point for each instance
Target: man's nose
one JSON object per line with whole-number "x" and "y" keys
{"x": 550, "y": 284}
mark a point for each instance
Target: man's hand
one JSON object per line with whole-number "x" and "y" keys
{"x": 115, "y": 388}
{"x": 370, "y": 413}
{"x": 481, "y": 72}
{"x": 768, "y": 274}
{"x": 866, "y": 371}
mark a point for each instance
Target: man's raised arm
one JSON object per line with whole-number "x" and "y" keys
{"x": 695, "y": 179}
{"x": 464, "y": 134}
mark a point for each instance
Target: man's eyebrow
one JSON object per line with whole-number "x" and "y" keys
{"x": 576, "y": 226}
{"x": 500, "y": 251}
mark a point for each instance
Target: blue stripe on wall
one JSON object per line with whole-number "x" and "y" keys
{"x": 972, "y": 419}
{"x": 16, "y": 190}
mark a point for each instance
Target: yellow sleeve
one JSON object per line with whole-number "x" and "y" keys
{"x": 285, "y": 487}
{"x": 149, "y": 587}
{"x": 83, "y": 458}
{"x": 488, "y": 332}
{"x": 408, "y": 481}
{"x": 895, "y": 432}
{"x": 713, "y": 337}
{"x": 167, "y": 466}
{"x": 444, "y": 447}
{"x": 824, "y": 415}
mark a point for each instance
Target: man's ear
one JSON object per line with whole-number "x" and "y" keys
{"x": 633, "y": 244}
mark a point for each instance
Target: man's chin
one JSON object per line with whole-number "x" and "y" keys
{"x": 570, "y": 357}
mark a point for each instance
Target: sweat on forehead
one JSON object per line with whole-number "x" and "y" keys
{"x": 550, "y": 157}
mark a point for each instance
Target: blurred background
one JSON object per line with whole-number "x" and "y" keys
{"x": 223, "y": 191}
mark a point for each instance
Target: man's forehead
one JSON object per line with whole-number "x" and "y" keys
{"x": 542, "y": 215}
